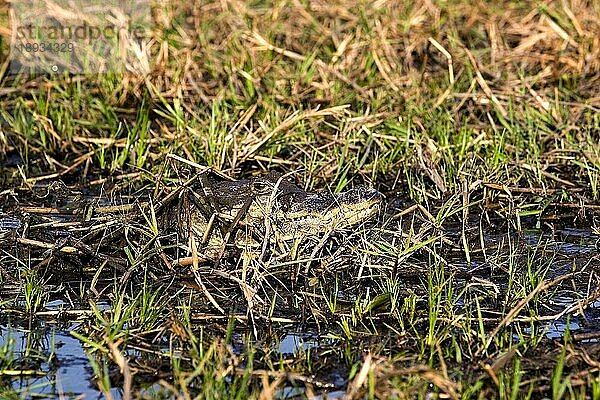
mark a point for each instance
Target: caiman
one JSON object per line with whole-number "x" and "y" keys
{"x": 216, "y": 216}
{"x": 218, "y": 213}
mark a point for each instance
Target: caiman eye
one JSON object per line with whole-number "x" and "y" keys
{"x": 261, "y": 187}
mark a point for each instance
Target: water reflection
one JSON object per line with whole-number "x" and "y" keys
{"x": 54, "y": 360}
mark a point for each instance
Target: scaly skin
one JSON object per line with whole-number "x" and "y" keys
{"x": 268, "y": 205}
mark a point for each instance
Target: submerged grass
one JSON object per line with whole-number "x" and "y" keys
{"x": 480, "y": 123}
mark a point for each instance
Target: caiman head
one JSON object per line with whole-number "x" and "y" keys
{"x": 292, "y": 212}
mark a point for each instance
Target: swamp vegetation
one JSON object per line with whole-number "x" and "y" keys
{"x": 479, "y": 122}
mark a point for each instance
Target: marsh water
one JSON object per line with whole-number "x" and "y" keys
{"x": 53, "y": 363}
{"x": 41, "y": 356}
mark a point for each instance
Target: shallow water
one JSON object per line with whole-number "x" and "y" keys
{"x": 68, "y": 374}
{"x": 294, "y": 342}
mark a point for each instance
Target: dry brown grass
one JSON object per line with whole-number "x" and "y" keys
{"x": 381, "y": 48}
